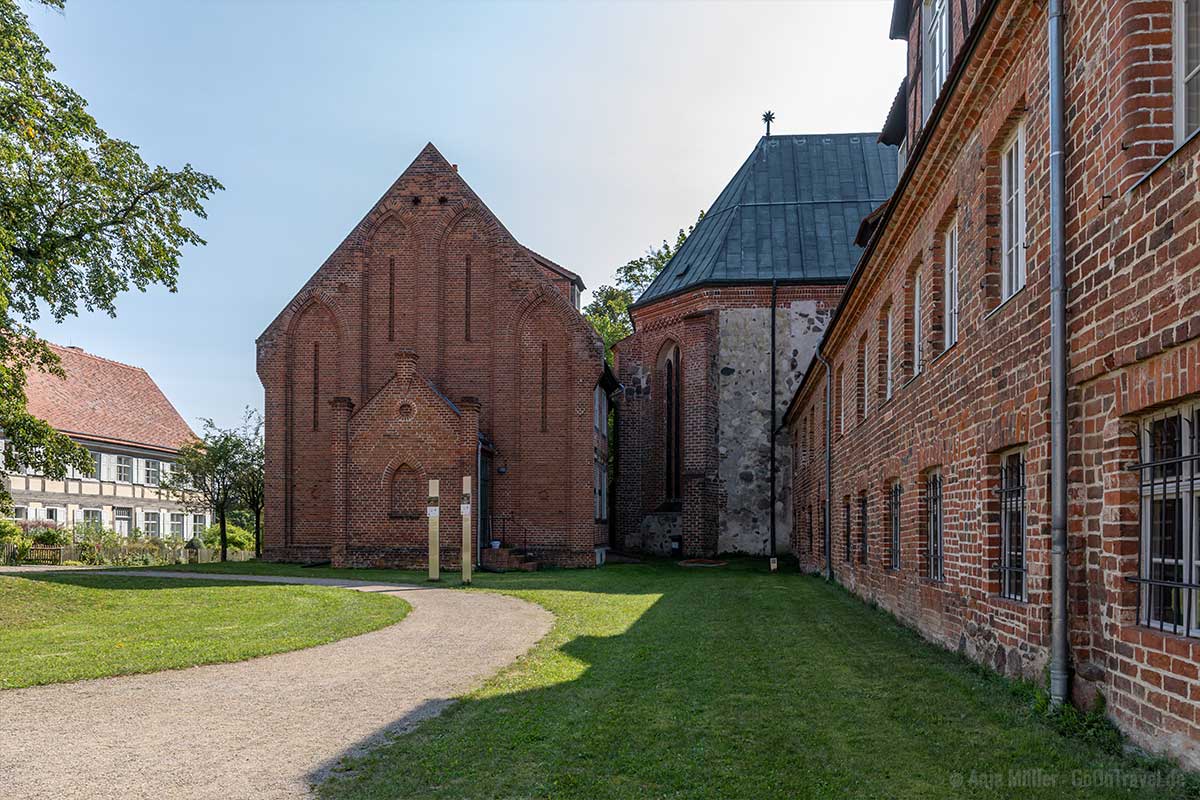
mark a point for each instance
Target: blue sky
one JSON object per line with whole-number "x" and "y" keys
{"x": 592, "y": 129}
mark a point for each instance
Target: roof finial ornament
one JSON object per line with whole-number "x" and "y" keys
{"x": 768, "y": 117}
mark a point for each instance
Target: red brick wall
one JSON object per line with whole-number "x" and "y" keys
{"x": 1133, "y": 292}
{"x": 400, "y": 281}
{"x": 689, "y": 321}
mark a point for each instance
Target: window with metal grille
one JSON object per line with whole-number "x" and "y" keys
{"x": 933, "y": 507}
{"x": 1012, "y": 526}
{"x": 862, "y": 525}
{"x": 1187, "y": 68}
{"x": 1169, "y": 552}
{"x": 894, "y": 522}
{"x": 846, "y": 507}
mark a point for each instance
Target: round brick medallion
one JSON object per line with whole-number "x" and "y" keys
{"x": 407, "y": 412}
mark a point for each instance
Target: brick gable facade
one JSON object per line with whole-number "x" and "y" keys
{"x": 947, "y": 431}
{"x": 493, "y": 333}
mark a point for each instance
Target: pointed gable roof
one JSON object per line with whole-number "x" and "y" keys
{"x": 790, "y": 214}
{"x": 105, "y": 401}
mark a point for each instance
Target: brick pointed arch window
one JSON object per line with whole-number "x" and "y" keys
{"x": 673, "y": 435}
{"x": 405, "y": 495}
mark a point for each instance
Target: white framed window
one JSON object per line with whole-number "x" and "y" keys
{"x": 20, "y": 512}
{"x": 938, "y": 37}
{"x": 97, "y": 466}
{"x": 1012, "y": 215}
{"x": 124, "y": 469}
{"x": 54, "y": 514}
{"x": 1012, "y": 525}
{"x": 177, "y": 521}
{"x": 91, "y": 516}
{"x": 152, "y": 470}
{"x": 123, "y": 520}
{"x": 889, "y": 361}
{"x": 918, "y": 348}
{"x": 199, "y": 523}
{"x": 1169, "y": 557}
{"x": 151, "y": 525}
{"x": 1186, "y": 46}
{"x": 950, "y": 253}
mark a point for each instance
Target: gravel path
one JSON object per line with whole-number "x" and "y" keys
{"x": 265, "y": 728}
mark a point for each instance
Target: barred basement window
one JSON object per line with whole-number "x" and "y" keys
{"x": 933, "y": 506}
{"x": 1169, "y": 553}
{"x": 894, "y": 522}
{"x": 862, "y": 523}
{"x": 846, "y": 506}
{"x": 1012, "y": 526}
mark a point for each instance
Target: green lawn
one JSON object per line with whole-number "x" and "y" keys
{"x": 731, "y": 683}
{"x": 68, "y": 626}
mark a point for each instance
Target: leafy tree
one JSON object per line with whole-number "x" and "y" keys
{"x": 251, "y": 494}
{"x": 206, "y": 475}
{"x": 82, "y": 219}
{"x": 608, "y": 310}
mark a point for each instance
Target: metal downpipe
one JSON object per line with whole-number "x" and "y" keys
{"x": 826, "y": 534}
{"x": 1059, "y": 644}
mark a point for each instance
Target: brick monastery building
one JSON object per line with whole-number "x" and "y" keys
{"x": 695, "y": 411}
{"x": 433, "y": 345}
{"x": 1007, "y": 466}
{"x": 934, "y": 417}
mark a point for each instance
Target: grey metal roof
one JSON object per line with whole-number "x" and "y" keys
{"x": 790, "y": 214}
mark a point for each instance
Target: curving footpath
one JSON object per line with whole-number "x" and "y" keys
{"x": 270, "y": 727}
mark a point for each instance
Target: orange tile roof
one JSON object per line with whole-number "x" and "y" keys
{"x": 106, "y": 401}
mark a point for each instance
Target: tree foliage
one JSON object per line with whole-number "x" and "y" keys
{"x": 82, "y": 219}
{"x": 608, "y": 310}
{"x": 207, "y": 472}
{"x": 251, "y": 493}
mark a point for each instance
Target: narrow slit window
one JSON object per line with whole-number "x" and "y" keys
{"x": 545, "y": 380}
{"x": 918, "y": 352}
{"x": 862, "y": 524}
{"x": 316, "y": 385}
{"x": 391, "y": 298}
{"x": 467, "y": 302}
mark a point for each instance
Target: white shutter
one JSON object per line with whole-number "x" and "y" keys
{"x": 139, "y": 520}
{"x": 78, "y": 516}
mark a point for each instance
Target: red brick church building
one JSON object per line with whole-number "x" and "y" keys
{"x": 432, "y": 345}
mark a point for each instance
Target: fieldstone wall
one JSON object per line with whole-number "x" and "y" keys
{"x": 655, "y": 532}
{"x": 744, "y": 403}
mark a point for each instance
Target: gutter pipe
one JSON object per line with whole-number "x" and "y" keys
{"x": 1059, "y": 645}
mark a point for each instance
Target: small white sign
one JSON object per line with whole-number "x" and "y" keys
{"x": 431, "y": 511}
{"x": 465, "y": 509}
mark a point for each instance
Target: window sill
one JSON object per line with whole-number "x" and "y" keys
{"x": 1168, "y": 158}
{"x": 945, "y": 350}
{"x": 1009, "y": 602}
{"x": 1006, "y": 303}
